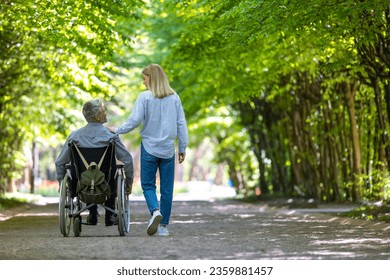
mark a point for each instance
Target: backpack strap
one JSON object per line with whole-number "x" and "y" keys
{"x": 81, "y": 156}
{"x": 112, "y": 143}
{"x": 101, "y": 160}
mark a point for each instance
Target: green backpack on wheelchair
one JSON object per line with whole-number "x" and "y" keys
{"x": 92, "y": 186}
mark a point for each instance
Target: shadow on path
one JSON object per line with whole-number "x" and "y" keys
{"x": 201, "y": 229}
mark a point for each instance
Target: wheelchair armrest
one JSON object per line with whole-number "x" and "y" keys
{"x": 120, "y": 170}
{"x": 119, "y": 164}
{"x": 68, "y": 170}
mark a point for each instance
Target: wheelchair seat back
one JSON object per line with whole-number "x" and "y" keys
{"x": 108, "y": 166}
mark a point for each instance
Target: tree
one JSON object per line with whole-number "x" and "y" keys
{"x": 54, "y": 55}
{"x": 293, "y": 73}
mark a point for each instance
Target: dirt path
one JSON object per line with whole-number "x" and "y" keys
{"x": 200, "y": 230}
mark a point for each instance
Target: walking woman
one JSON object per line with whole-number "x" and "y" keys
{"x": 160, "y": 111}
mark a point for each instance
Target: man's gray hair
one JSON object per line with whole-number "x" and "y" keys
{"x": 92, "y": 110}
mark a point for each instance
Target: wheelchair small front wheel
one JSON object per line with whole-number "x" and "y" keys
{"x": 77, "y": 226}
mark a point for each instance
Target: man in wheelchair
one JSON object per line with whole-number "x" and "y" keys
{"x": 95, "y": 135}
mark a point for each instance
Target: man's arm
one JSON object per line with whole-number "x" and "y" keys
{"x": 62, "y": 159}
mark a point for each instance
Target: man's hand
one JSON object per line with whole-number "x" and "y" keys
{"x": 182, "y": 156}
{"x": 128, "y": 187}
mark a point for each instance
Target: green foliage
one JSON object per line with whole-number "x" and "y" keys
{"x": 292, "y": 94}
{"x": 54, "y": 55}
{"x": 293, "y": 60}
{"x": 380, "y": 212}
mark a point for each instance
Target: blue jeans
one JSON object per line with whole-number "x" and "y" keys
{"x": 166, "y": 167}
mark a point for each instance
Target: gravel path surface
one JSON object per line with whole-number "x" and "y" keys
{"x": 207, "y": 229}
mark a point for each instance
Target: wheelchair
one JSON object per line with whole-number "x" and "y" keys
{"x": 70, "y": 204}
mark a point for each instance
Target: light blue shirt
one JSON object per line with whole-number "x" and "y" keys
{"x": 163, "y": 121}
{"x": 95, "y": 135}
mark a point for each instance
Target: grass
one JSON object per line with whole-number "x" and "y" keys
{"x": 376, "y": 212}
{"x": 10, "y": 200}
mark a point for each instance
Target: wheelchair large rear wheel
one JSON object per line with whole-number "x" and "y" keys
{"x": 123, "y": 207}
{"x": 65, "y": 206}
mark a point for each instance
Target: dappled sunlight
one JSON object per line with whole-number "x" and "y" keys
{"x": 35, "y": 214}
{"x": 138, "y": 223}
{"x": 190, "y": 222}
{"x": 279, "y": 254}
{"x": 230, "y": 229}
{"x": 237, "y": 207}
{"x": 267, "y": 225}
{"x": 190, "y": 215}
{"x": 386, "y": 228}
{"x": 319, "y": 227}
{"x": 215, "y": 234}
{"x": 244, "y": 215}
{"x": 328, "y": 253}
{"x": 286, "y": 253}
{"x": 353, "y": 241}
{"x": 244, "y": 255}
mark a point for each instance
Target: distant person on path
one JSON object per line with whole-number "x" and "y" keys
{"x": 160, "y": 111}
{"x": 95, "y": 135}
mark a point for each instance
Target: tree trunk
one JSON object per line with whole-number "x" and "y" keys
{"x": 34, "y": 168}
{"x": 218, "y": 180}
{"x": 381, "y": 120}
{"x": 350, "y": 92}
{"x": 196, "y": 172}
{"x": 234, "y": 176}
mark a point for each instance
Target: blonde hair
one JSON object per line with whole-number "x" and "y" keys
{"x": 158, "y": 81}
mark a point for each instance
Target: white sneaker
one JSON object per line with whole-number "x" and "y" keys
{"x": 154, "y": 222}
{"x": 163, "y": 230}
